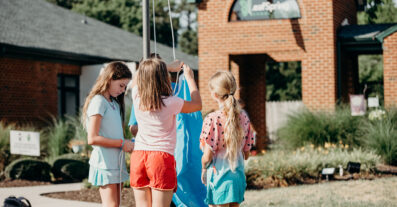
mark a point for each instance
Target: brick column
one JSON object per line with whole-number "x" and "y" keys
{"x": 390, "y": 69}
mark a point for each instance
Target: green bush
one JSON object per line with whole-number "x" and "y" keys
{"x": 79, "y": 133}
{"x": 381, "y": 136}
{"x": 28, "y": 169}
{"x": 306, "y": 127}
{"x": 58, "y": 136}
{"x": 73, "y": 156}
{"x": 70, "y": 167}
{"x": 4, "y": 146}
{"x": 306, "y": 162}
{"x": 127, "y": 133}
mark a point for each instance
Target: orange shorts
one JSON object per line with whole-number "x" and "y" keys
{"x": 154, "y": 169}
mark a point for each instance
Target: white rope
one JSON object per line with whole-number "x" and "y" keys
{"x": 172, "y": 30}
{"x": 173, "y": 45}
{"x": 121, "y": 158}
{"x": 154, "y": 28}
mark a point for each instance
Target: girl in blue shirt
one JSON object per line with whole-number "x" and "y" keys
{"x": 103, "y": 117}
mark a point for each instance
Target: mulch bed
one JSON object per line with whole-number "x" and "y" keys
{"x": 92, "y": 195}
{"x": 21, "y": 183}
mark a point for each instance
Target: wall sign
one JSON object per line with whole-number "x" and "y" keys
{"x": 264, "y": 9}
{"x": 25, "y": 143}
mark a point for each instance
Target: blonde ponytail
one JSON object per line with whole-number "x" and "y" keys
{"x": 224, "y": 85}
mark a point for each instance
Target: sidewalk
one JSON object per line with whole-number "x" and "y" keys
{"x": 33, "y": 194}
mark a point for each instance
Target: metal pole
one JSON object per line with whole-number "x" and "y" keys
{"x": 146, "y": 29}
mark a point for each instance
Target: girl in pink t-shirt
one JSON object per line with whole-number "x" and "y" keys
{"x": 152, "y": 170}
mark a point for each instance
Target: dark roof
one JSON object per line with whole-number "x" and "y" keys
{"x": 38, "y": 24}
{"x": 366, "y": 33}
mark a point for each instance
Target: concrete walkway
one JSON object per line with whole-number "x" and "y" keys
{"x": 33, "y": 194}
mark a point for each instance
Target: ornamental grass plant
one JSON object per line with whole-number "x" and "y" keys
{"x": 293, "y": 167}
{"x": 307, "y": 127}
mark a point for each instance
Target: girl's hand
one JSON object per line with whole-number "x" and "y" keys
{"x": 128, "y": 146}
{"x": 175, "y": 66}
{"x": 188, "y": 71}
{"x": 204, "y": 176}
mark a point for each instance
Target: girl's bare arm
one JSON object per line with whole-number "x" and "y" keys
{"x": 206, "y": 159}
{"x": 195, "y": 104}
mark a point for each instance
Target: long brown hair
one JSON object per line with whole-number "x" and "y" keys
{"x": 113, "y": 71}
{"x": 153, "y": 84}
{"x": 224, "y": 85}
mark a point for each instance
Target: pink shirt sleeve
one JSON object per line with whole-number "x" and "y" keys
{"x": 248, "y": 133}
{"x": 209, "y": 133}
{"x": 176, "y": 104}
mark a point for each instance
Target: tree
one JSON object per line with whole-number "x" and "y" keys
{"x": 127, "y": 14}
{"x": 378, "y": 12}
{"x": 283, "y": 81}
{"x": 68, "y": 4}
{"x": 371, "y": 66}
{"x": 188, "y": 41}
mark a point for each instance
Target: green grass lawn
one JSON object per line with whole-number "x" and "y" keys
{"x": 369, "y": 193}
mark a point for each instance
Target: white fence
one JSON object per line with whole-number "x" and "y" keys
{"x": 277, "y": 114}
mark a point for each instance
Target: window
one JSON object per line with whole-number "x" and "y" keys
{"x": 264, "y": 9}
{"x": 68, "y": 94}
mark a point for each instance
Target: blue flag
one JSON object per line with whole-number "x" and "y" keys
{"x": 191, "y": 192}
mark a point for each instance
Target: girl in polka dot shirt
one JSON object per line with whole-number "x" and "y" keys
{"x": 226, "y": 139}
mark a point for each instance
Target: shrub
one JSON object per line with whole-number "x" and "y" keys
{"x": 306, "y": 162}
{"x": 4, "y": 146}
{"x": 29, "y": 169}
{"x": 70, "y": 167}
{"x": 79, "y": 133}
{"x": 381, "y": 136}
{"x": 58, "y": 136}
{"x": 306, "y": 127}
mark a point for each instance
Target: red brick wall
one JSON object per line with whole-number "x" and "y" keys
{"x": 390, "y": 69}
{"x": 310, "y": 39}
{"x": 28, "y": 89}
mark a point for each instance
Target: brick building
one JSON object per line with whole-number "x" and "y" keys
{"x": 46, "y": 54}
{"x": 242, "y": 35}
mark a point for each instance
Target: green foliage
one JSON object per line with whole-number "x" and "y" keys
{"x": 28, "y": 169}
{"x": 307, "y": 127}
{"x": 65, "y": 3}
{"x": 378, "y": 12}
{"x": 73, "y": 156}
{"x": 371, "y": 66}
{"x": 371, "y": 74}
{"x": 306, "y": 162}
{"x": 381, "y": 136}
{"x": 127, "y": 132}
{"x": 58, "y": 135}
{"x": 127, "y": 14}
{"x": 188, "y": 42}
{"x": 283, "y": 81}
{"x": 70, "y": 167}
{"x": 79, "y": 133}
{"x": 4, "y": 145}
